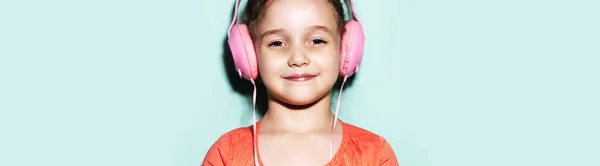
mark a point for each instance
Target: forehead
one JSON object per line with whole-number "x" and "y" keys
{"x": 297, "y": 15}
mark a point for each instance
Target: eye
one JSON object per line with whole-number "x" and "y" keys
{"x": 276, "y": 44}
{"x": 318, "y": 41}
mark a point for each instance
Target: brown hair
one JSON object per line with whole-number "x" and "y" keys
{"x": 255, "y": 10}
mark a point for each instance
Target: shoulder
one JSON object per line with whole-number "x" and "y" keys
{"x": 369, "y": 146}
{"x": 235, "y": 136}
{"x": 229, "y": 147}
{"x": 361, "y": 136}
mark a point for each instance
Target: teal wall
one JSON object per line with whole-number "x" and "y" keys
{"x": 447, "y": 83}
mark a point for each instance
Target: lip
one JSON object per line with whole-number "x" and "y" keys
{"x": 300, "y": 77}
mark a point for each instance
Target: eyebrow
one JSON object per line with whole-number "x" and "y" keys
{"x": 270, "y": 32}
{"x": 311, "y": 28}
{"x": 320, "y": 27}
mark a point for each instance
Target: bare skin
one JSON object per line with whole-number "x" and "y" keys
{"x": 298, "y": 37}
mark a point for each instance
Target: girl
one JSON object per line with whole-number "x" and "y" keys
{"x": 297, "y": 44}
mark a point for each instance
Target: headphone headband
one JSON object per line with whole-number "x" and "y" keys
{"x": 235, "y": 15}
{"x": 237, "y": 3}
{"x": 353, "y": 12}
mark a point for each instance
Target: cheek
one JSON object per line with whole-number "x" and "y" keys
{"x": 269, "y": 65}
{"x": 329, "y": 62}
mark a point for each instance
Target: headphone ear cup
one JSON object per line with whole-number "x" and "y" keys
{"x": 352, "y": 47}
{"x": 242, "y": 50}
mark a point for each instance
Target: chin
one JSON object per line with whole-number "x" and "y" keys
{"x": 299, "y": 95}
{"x": 299, "y": 98}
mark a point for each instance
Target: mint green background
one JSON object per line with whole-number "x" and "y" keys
{"x": 447, "y": 83}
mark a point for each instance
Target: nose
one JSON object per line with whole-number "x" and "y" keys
{"x": 298, "y": 58}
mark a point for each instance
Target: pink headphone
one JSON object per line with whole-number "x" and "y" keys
{"x": 244, "y": 56}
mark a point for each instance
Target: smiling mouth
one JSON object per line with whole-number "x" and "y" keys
{"x": 300, "y": 77}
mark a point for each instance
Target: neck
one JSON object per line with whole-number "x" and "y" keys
{"x": 316, "y": 117}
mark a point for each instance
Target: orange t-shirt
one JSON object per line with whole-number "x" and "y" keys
{"x": 359, "y": 148}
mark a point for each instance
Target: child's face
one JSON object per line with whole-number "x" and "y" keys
{"x": 298, "y": 37}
